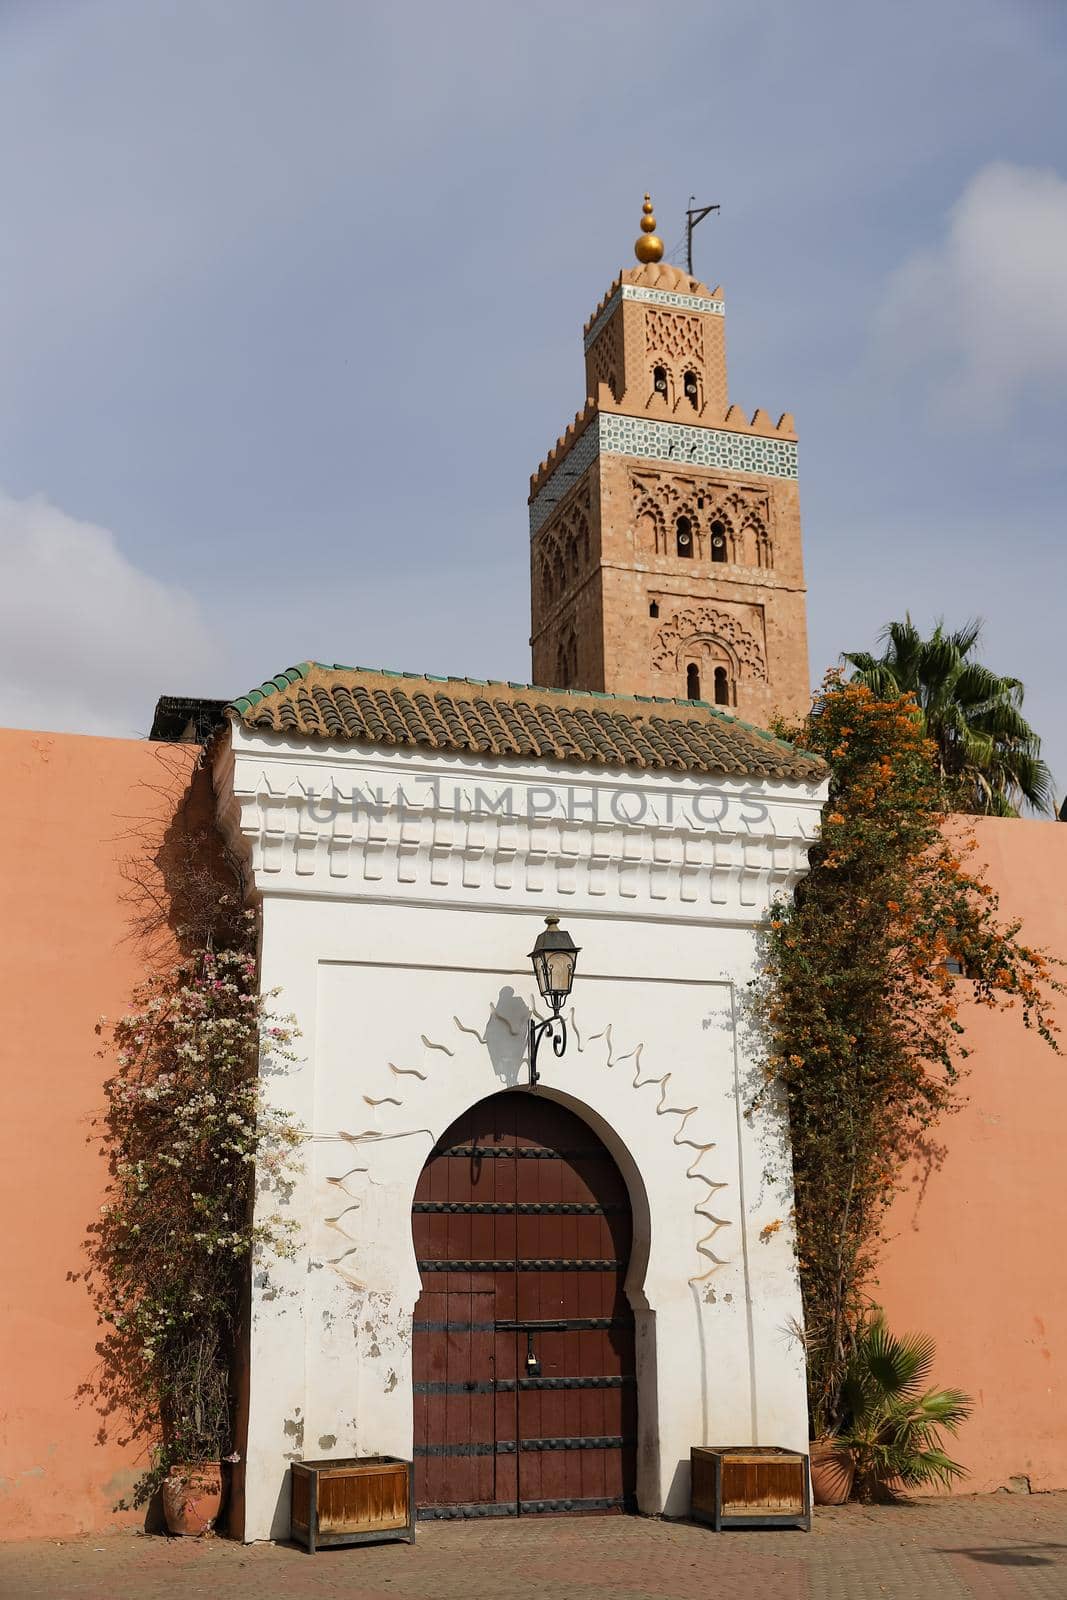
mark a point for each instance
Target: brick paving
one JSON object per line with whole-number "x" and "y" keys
{"x": 993, "y": 1547}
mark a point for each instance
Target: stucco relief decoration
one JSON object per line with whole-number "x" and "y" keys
{"x": 678, "y": 1137}
{"x": 503, "y": 1036}
{"x": 718, "y": 627}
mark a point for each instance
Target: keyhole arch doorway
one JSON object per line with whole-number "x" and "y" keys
{"x": 523, "y": 1338}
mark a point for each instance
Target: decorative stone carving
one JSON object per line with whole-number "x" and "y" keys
{"x": 675, "y": 334}
{"x": 654, "y": 297}
{"x": 605, "y": 361}
{"x": 659, "y": 498}
{"x": 562, "y": 551}
{"x": 677, "y": 636}
{"x": 651, "y": 525}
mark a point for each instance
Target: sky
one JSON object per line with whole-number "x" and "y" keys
{"x": 291, "y": 301}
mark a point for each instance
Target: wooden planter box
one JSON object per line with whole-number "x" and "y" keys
{"x": 754, "y": 1486}
{"x": 352, "y": 1501}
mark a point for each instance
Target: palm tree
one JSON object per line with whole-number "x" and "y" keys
{"x": 892, "y": 1431}
{"x": 988, "y": 754}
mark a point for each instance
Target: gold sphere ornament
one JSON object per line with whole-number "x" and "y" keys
{"x": 649, "y": 246}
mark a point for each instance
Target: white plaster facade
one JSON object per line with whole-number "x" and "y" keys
{"x": 397, "y": 929}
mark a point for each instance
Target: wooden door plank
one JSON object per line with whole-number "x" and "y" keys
{"x": 579, "y": 1438}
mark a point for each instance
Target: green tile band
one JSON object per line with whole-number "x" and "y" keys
{"x": 676, "y": 443}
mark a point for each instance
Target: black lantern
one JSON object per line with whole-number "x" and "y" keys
{"x": 554, "y": 957}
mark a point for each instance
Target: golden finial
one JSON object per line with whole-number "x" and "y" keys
{"x": 649, "y": 247}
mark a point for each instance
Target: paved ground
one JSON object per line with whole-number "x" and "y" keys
{"x": 995, "y": 1547}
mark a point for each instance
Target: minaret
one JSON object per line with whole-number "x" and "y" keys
{"x": 665, "y": 525}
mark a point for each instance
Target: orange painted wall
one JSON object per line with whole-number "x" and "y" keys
{"x": 66, "y": 804}
{"x": 976, "y": 1256}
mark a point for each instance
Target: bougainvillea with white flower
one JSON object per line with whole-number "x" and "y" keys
{"x": 188, "y": 1135}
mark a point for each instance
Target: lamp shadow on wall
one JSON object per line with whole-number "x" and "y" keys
{"x": 506, "y": 1033}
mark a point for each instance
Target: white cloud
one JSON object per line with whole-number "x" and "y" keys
{"x": 87, "y": 640}
{"x": 981, "y": 317}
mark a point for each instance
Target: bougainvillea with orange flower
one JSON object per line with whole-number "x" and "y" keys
{"x": 866, "y": 979}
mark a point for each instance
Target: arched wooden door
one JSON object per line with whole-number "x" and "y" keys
{"x": 523, "y": 1339}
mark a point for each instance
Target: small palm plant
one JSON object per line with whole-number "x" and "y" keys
{"x": 893, "y": 1421}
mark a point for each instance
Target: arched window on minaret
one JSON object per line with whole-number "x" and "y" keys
{"x": 722, "y": 687}
{"x": 555, "y": 579}
{"x": 659, "y": 381}
{"x": 651, "y": 530}
{"x": 545, "y": 577}
{"x": 567, "y": 660}
{"x": 763, "y": 546}
{"x": 692, "y": 681}
{"x": 582, "y": 536}
{"x": 718, "y": 541}
{"x": 691, "y": 389}
{"x": 560, "y": 580}
{"x": 683, "y": 535}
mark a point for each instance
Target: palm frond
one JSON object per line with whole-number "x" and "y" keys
{"x": 875, "y": 675}
{"x": 899, "y": 1365}
{"x": 988, "y": 755}
{"x": 862, "y": 660}
{"x": 946, "y": 1408}
{"x": 892, "y": 1423}
{"x": 967, "y": 637}
{"x": 925, "y": 1469}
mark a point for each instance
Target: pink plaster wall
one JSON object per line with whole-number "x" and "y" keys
{"x": 976, "y": 1256}
{"x": 65, "y": 804}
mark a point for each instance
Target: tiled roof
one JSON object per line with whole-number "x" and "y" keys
{"x": 373, "y": 706}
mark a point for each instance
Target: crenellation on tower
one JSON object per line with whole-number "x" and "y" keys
{"x": 665, "y": 524}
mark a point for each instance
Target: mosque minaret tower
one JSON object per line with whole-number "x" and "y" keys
{"x": 665, "y": 525}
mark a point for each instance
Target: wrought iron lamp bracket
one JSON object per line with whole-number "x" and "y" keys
{"x": 555, "y": 1026}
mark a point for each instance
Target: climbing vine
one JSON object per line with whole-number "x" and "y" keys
{"x": 863, "y": 977}
{"x": 186, "y": 1129}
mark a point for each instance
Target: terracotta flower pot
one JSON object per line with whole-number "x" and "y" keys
{"x": 832, "y": 1473}
{"x": 192, "y": 1497}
